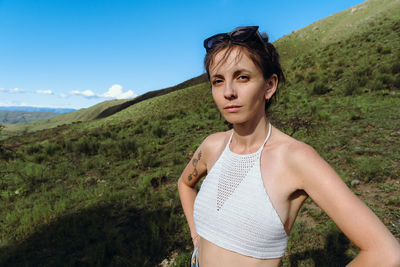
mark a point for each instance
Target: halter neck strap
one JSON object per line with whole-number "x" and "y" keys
{"x": 265, "y": 141}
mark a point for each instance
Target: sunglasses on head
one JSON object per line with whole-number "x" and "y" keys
{"x": 240, "y": 35}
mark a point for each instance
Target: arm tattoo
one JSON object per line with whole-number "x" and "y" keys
{"x": 194, "y": 163}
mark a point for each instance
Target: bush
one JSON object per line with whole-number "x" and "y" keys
{"x": 127, "y": 147}
{"x": 364, "y": 71}
{"x": 386, "y": 50}
{"x": 158, "y": 131}
{"x": 352, "y": 88}
{"x": 51, "y": 148}
{"x": 338, "y": 72}
{"x": 311, "y": 77}
{"x": 373, "y": 168}
{"x": 138, "y": 129}
{"x": 386, "y": 79}
{"x": 87, "y": 145}
{"x": 396, "y": 82}
{"x": 298, "y": 77}
{"x": 395, "y": 68}
{"x": 377, "y": 85}
{"x": 320, "y": 89}
{"x": 33, "y": 149}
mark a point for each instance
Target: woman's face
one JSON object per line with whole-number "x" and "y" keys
{"x": 238, "y": 87}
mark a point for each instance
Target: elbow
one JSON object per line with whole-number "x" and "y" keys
{"x": 394, "y": 262}
{"x": 179, "y": 182}
{"x": 395, "y": 259}
{"x": 392, "y": 258}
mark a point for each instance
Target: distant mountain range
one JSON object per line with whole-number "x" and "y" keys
{"x": 37, "y": 109}
{"x": 21, "y": 117}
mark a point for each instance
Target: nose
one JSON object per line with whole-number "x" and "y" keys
{"x": 229, "y": 91}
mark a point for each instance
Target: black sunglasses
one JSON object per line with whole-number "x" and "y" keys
{"x": 240, "y": 35}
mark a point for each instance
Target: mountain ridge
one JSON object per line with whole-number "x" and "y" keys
{"x": 37, "y": 109}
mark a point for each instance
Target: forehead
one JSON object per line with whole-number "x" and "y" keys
{"x": 227, "y": 59}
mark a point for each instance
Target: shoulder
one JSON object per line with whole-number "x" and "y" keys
{"x": 290, "y": 148}
{"x": 216, "y": 140}
{"x": 298, "y": 158}
{"x": 213, "y": 145}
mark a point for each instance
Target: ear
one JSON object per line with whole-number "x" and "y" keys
{"x": 270, "y": 86}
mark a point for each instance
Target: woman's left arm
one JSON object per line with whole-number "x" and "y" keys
{"x": 378, "y": 247}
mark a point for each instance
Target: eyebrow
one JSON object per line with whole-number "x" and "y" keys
{"x": 217, "y": 76}
{"x": 236, "y": 73}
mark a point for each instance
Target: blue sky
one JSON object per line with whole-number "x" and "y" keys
{"x": 74, "y": 54}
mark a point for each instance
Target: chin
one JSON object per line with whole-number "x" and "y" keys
{"x": 231, "y": 118}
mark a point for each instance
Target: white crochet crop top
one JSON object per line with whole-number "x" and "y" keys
{"x": 233, "y": 210}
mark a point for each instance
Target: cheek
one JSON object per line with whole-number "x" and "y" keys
{"x": 216, "y": 96}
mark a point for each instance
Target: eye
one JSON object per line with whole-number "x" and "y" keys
{"x": 217, "y": 81}
{"x": 243, "y": 78}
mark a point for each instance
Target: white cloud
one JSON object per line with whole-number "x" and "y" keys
{"x": 2, "y": 89}
{"x": 44, "y": 92}
{"x": 116, "y": 92}
{"x": 16, "y": 90}
{"x": 86, "y": 93}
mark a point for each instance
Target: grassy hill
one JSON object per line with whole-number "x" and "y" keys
{"x": 84, "y": 114}
{"x": 103, "y": 192}
{"x": 101, "y": 110}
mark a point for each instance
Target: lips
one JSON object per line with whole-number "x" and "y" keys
{"x": 232, "y": 108}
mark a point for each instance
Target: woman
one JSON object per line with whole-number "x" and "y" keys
{"x": 257, "y": 176}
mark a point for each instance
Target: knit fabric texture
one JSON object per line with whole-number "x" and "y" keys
{"x": 233, "y": 210}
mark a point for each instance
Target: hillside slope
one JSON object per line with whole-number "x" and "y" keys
{"x": 339, "y": 26}
{"x": 84, "y": 114}
{"x": 97, "y": 111}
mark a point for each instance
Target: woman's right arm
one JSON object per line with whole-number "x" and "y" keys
{"x": 193, "y": 172}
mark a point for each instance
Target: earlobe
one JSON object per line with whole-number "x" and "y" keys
{"x": 270, "y": 86}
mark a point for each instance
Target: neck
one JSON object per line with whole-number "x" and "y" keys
{"x": 250, "y": 135}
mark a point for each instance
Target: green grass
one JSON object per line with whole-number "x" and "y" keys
{"x": 103, "y": 192}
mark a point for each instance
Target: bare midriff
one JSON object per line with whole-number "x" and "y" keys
{"x": 211, "y": 255}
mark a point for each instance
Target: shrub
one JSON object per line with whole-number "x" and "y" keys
{"x": 363, "y": 71}
{"x": 351, "y": 88}
{"x": 323, "y": 115}
{"x": 373, "y": 168}
{"x": 87, "y": 145}
{"x": 298, "y": 77}
{"x": 138, "y": 129}
{"x": 127, "y": 147}
{"x": 106, "y": 147}
{"x": 51, "y": 149}
{"x": 311, "y": 77}
{"x": 33, "y": 149}
{"x": 320, "y": 89}
{"x": 386, "y": 50}
{"x": 355, "y": 116}
{"x": 386, "y": 79}
{"x": 395, "y": 68}
{"x": 396, "y": 82}
{"x": 338, "y": 72}
{"x": 377, "y": 85}
{"x": 384, "y": 68}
